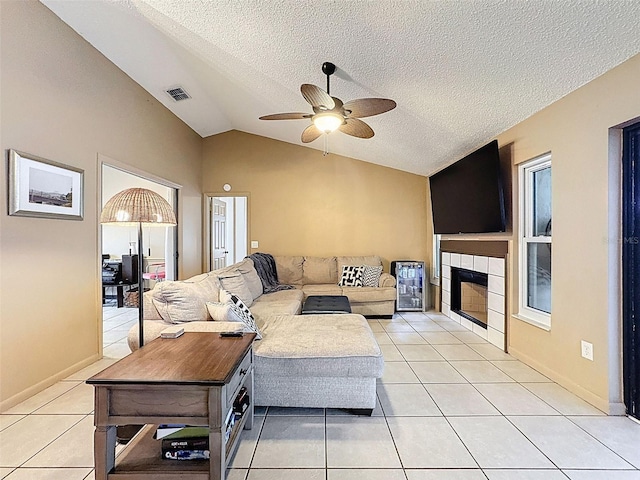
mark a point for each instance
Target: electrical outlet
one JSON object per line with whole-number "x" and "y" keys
{"x": 254, "y": 244}
{"x": 587, "y": 350}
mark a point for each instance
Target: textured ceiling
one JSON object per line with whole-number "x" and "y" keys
{"x": 461, "y": 71}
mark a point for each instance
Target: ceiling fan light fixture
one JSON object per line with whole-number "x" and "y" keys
{"x": 331, "y": 113}
{"x": 327, "y": 122}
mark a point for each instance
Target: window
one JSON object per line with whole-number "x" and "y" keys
{"x": 535, "y": 241}
{"x": 435, "y": 274}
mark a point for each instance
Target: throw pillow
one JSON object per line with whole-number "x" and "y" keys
{"x": 184, "y": 301}
{"x": 234, "y": 282}
{"x": 371, "y": 276}
{"x": 351, "y": 276}
{"x": 219, "y": 312}
{"x": 238, "y": 312}
{"x": 225, "y": 297}
{"x": 251, "y": 277}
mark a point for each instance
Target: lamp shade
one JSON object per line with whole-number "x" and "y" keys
{"x": 136, "y": 206}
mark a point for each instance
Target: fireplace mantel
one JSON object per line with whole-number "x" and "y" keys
{"x": 486, "y": 248}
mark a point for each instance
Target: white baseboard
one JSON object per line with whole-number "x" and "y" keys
{"x": 40, "y": 386}
{"x": 610, "y": 408}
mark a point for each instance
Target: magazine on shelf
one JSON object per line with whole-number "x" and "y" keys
{"x": 186, "y": 454}
{"x": 167, "y": 429}
{"x": 199, "y": 443}
{"x": 180, "y": 431}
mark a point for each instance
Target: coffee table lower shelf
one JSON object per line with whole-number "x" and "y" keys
{"x": 142, "y": 458}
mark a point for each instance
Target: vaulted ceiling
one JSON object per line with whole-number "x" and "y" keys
{"x": 461, "y": 71}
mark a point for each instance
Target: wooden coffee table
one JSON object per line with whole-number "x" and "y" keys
{"x": 191, "y": 380}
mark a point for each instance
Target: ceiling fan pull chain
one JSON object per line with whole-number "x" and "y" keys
{"x": 326, "y": 145}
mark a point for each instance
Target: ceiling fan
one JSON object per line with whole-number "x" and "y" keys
{"x": 330, "y": 113}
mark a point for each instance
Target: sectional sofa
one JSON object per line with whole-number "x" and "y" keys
{"x": 320, "y": 276}
{"x": 326, "y": 361}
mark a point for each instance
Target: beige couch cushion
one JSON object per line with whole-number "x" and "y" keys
{"x": 369, "y": 294}
{"x": 311, "y": 336}
{"x": 289, "y": 269}
{"x": 327, "y": 289}
{"x": 233, "y": 282}
{"x": 318, "y": 346}
{"x": 295, "y": 295}
{"x": 264, "y": 310}
{"x": 284, "y": 302}
{"x": 227, "y": 269}
{"x": 318, "y": 270}
{"x": 150, "y": 312}
{"x": 185, "y": 301}
{"x": 251, "y": 277}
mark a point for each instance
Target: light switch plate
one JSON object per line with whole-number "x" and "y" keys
{"x": 254, "y": 244}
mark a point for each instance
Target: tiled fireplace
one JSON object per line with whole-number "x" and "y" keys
{"x": 473, "y": 289}
{"x": 469, "y": 291}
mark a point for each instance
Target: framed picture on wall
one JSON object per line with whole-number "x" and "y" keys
{"x": 43, "y": 188}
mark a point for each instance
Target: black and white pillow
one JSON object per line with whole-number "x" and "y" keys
{"x": 351, "y": 276}
{"x": 238, "y": 307}
{"x": 371, "y": 276}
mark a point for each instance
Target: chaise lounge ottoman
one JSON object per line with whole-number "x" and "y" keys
{"x": 322, "y": 361}
{"x": 326, "y": 304}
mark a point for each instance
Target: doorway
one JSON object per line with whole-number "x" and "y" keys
{"x": 228, "y": 232}
{"x": 631, "y": 268}
{"x": 119, "y": 250}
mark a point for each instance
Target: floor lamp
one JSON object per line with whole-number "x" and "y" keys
{"x": 138, "y": 207}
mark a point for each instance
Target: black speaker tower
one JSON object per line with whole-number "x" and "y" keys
{"x": 130, "y": 268}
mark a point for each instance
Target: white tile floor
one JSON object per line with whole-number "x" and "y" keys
{"x": 451, "y": 407}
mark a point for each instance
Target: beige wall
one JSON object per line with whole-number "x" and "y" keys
{"x": 585, "y": 296}
{"x": 62, "y": 100}
{"x": 303, "y": 203}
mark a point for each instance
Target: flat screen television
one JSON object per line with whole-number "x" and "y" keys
{"x": 468, "y": 196}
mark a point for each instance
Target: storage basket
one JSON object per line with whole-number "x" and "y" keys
{"x": 131, "y": 297}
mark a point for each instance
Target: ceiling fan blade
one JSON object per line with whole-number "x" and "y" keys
{"x": 338, "y": 103}
{"x": 367, "y": 107}
{"x": 337, "y": 108}
{"x": 310, "y": 133}
{"x": 356, "y": 128}
{"x": 316, "y": 96}
{"x": 286, "y": 116}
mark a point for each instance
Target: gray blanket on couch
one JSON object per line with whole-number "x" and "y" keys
{"x": 265, "y": 265}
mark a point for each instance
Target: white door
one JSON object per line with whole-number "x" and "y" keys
{"x": 229, "y": 230}
{"x": 219, "y": 234}
{"x": 159, "y": 243}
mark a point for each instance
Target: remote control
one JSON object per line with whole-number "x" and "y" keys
{"x": 231, "y": 334}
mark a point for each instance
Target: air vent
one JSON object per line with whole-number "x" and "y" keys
{"x": 178, "y": 93}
